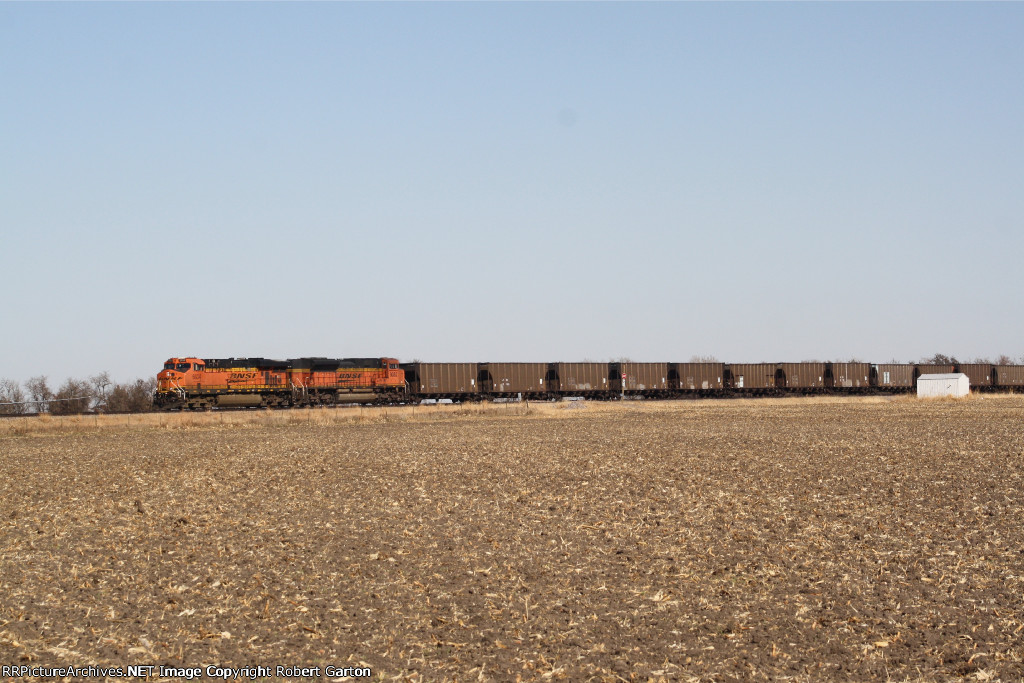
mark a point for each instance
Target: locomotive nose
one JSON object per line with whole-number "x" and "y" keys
{"x": 167, "y": 379}
{"x": 173, "y": 373}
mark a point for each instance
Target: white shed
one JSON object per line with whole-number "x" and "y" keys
{"x": 953, "y": 384}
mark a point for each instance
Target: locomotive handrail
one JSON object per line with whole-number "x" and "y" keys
{"x": 178, "y": 389}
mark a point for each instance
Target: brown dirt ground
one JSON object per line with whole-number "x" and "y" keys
{"x": 791, "y": 539}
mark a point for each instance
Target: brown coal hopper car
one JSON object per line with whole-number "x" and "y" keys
{"x": 980, "y": 375}
{"x": 581, "y": 379}
{"x": 1010, "y": 376}
{"x": 640, "y": 378}
{"x": 751, "y": 376}
{"x": 810, "y": 375}
{"x": 689, "y": 377}
{"x": 513, "y": 379}
{"x": 442, "y": 380}
{"x": 894, "y": 376}
{"x": 849, "y": 375}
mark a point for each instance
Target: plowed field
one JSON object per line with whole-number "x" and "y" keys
{"x": 776, "y": 539}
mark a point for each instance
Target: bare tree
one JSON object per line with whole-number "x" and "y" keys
{"x": 99, "y": 384}
{"x": 39, "y": 392}
{"x": 940, "y": 359}
{"x": 1004, "y": 360}
{"x": 73, "y": 398}
{"x": 136, "y": 397}
{"x": 703, "y": 359}
{"x": 12, "y": 398}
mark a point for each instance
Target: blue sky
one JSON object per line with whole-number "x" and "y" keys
{"x": 508, "y": 181}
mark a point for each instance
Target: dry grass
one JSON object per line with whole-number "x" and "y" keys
{"x": 57, "y": 425}
{"x": 790, "y": 539}
{"x": 49, "y": 424}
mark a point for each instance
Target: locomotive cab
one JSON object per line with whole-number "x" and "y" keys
{"x": 178, "y": 372}
{"x": 394, "y": 375}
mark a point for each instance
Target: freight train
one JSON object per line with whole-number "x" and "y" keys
{"x": 195, "y": 383}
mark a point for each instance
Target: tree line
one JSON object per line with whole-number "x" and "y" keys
{"x": 98, "y": 394}
{"x": 943, "y": 359}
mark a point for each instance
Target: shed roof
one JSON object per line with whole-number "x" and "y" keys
{"x": 947, "y": 375}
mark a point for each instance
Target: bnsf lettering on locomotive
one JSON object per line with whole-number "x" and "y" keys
{"x": 240, "y": 377}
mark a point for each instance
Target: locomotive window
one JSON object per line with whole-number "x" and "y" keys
{"x": 183, "y": 367}
{"x": 168, "y": 366}
{"x": 393, "y": 366}
{"x": 196, "y": 366}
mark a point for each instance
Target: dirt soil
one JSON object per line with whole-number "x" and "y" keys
{"x": 791, "y": 539}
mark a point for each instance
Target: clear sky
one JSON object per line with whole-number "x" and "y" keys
{"x": 508, "y": 181}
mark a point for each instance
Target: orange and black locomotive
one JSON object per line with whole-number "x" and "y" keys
{"x": 189, "y": 383}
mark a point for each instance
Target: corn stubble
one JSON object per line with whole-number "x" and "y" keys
{"x": 791, "y": 539}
